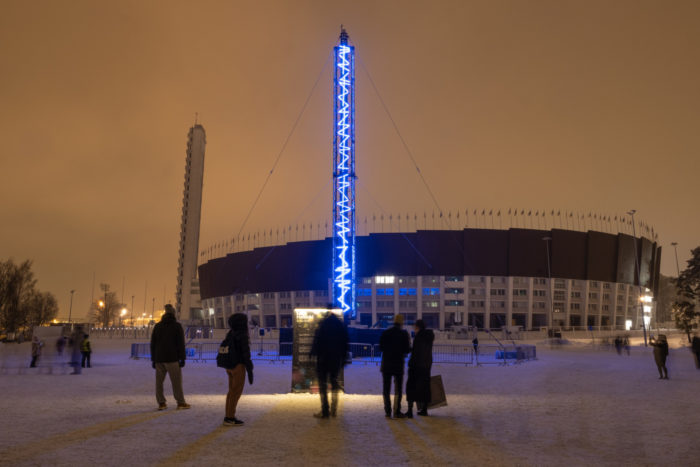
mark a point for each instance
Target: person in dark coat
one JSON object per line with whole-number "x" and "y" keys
{"x": 240, "y": 364}
{"x": 660, "y": 354}
{"x": 618, "y": 344}
{"x": 36, "y": 350}
{"x": 394, "y": 344}
{"x": 76, "y": 341}
{"x": 418, "y": 383}
{"x": 168, "y": 357}
{"x": 695, "y": 346}
{"x": 330, "y": 346}
{"x": 60, "y": 345}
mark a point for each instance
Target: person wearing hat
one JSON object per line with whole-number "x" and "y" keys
{"x": 168, "y": 357}
{"x": 394, "y": 344}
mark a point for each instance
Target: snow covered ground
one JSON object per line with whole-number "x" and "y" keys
{"x": 575, "y": 405}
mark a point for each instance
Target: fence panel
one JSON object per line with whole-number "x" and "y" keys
{"x": 453, "y": 353}
{"x": 362, "y": 352}
{"x": 367, "y": 353}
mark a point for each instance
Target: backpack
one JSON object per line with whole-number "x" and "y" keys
{"x": 226, "y": 357}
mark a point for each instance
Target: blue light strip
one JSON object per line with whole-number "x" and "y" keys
{"x": 344, "y": 179}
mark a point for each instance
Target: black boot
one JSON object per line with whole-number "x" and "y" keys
{"x": 409, "y": 412}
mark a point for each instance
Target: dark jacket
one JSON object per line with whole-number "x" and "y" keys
{"x": 241, "y": 341}
{"x": 330, "y": 345}
{"x": 422, "y": 352}
{"x": 418, "y": 383}
{"x": 660, "y": 351}
{"x": 167, "y": 340}
{"x": 394, "y": 344}
{"x": 696, "y": 344}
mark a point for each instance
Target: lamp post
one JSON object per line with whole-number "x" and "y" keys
{"x": 132, "y": 311}
{"x": 121, "y": 316}
{"x": 675, "y": 250}
{"x": 551, "y": 289}
{"x": 70, "y": 309}
{"x": 636, "y": 266}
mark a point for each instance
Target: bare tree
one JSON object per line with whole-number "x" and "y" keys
{"x": 42, "y": 307}
{"x": 16, "y": 287}
{"x": 104, "y": 310}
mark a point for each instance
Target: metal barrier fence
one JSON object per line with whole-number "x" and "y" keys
{"x": 364, "y": 353}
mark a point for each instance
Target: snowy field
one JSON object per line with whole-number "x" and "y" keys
{"x": 575, "y": 405}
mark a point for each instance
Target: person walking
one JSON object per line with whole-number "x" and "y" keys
{"x": 419, "y": 364}
{"x": 660, "y": 354}
{"x": 168, "y": 357}
{"x": 76, "y": 341}
{"x": 394, "y": 344}
{"x": 330, "y": 346}
{"x": 695, "y": 346}
{"x": 234, "y": 357}
{"x": 36, "y": 351}
{"x": 85, "y": 351}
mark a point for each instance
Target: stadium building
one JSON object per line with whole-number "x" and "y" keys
{"x": 485, "y": 278}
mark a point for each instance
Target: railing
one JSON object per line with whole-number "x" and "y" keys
{"x": 364, "y": 353}
{"x": 121, "y": 333}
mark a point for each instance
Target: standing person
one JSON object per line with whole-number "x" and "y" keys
{"x": 36, "y": 351}
{"x": 60, "y": 345}
{"x": 618, "y": 344}
{"x": 695, "y": 346}
{"x": 660, "y": 354}
{"x": 394, "y": 344}
{"x": 237, "y": 362}
{"x": 330, "y": 346}
{"x": 419, "y": 364}
{"x": 76, "y": 341}
{"x": 86, "y": 351}
{"x": 475, "y": 343}
{"x": 168, "y": 357}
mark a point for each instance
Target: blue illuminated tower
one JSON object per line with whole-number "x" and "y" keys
{"x": 344, "y": 177}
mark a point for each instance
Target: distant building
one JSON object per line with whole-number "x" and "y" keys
{"x": 187, "y": 291}
{"x": 484, "y": 278}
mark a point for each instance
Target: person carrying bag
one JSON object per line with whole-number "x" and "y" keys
{"x": 234, "y": 357}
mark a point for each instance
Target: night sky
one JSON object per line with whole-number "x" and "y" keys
{"x": 589, "y": 106}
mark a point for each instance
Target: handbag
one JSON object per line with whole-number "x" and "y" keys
{"x": 437, "y": 393}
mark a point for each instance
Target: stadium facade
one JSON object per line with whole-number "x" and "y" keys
{"x": 485, "y": 278}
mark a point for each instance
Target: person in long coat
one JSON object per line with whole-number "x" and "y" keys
{"x": 330, "y": 347}
{"x": 660, "y": 354}
{"x": 419, "y": 364}
{"x": 695, "y": 346}
{"x": 76, "y": 341}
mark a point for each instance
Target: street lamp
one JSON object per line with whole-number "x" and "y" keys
{"x": 675, "y": 250}
{"x": 132, "y": 311}
{"x": 551, "y": 290}
{"x": 70, "y": 309}
{"x": 636, "y": 266}
{"x": 123, "y": 312}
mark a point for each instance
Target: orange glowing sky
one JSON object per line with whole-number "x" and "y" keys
{"x": 591, "y": 106}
